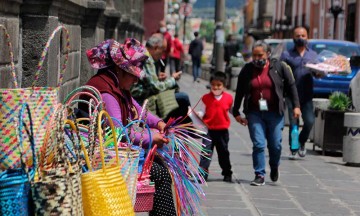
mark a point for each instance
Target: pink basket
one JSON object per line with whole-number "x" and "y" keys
{"x": 145, "y": 190}
{"x": 144, "y": 198}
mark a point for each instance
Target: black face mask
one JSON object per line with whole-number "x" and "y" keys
{"x": 299, "y": 42}
{"x": 260, "y": 63}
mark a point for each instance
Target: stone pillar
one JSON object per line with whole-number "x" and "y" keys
{"x": 92, "y": 33}
{"x": 9, "y": 11}
{"x": 36, "y": 30}
{"x": 112, "y": 20}
{"x": 123, "y": 27}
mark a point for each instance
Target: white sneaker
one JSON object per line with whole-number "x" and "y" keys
{"x": 302, "y": 151}
{"x": 293, "y": 156}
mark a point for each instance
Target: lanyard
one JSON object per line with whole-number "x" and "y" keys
{"x": 260, "y": 84}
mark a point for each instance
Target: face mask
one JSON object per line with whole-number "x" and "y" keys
{"x": 260, "y": 63}
{"x": 299, "y": 42}
{"x": 217, "y": 92}
{"x": 163, "y": 29}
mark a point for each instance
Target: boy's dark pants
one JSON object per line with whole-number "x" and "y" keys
{"x": 220, "y": 139}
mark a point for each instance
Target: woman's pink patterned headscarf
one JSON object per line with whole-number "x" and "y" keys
{"x": 129, "y": 56}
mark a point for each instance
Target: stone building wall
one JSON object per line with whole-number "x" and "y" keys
{"x": 31, "y": 22}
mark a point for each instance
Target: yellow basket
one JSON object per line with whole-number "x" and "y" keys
{"x": 104, "y": 191}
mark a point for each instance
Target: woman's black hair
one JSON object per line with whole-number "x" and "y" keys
{"x": 219, "y": 76}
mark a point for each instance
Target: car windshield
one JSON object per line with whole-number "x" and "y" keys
{"x": 341, "y": 49}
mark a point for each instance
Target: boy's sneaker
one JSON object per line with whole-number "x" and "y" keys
{"x": 302, "y": 151}
{"x": 292, "y": 155}
{"x": 227, "y": 178}
{"x": 258, "y": 181}
{"x": 274, "y": 174}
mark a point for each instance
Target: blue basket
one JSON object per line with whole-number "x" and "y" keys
{"x": 15, "y": 191}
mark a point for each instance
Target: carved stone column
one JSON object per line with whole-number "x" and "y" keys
{"x": 92, "y": 33}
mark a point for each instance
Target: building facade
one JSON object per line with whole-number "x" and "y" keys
{"x": 154, "y": 11}
{"x": 258, "y": 18}
{"x": 326, "y": 19}
{"x": 30, "y": 23}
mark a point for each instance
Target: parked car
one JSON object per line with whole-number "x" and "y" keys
{"x": 273, "y": 42}
{"x": 323, "y": 87}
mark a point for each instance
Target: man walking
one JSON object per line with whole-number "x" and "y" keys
{"x": 296, "y": 58}
{"x": 195, "y": 50}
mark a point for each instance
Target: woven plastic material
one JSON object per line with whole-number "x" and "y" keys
{"x": 104, "y": 190}
{"x": 144, "y": 198}
{"x": 41, "y": 101}
{"x": 58, "y": 191}
{"x": 128, "y": 157}
{"x": 129, "y": 161}
{"x": 15, "y": 193}
{"x": 145, "y": 188}
{"x": 88, "y": 92}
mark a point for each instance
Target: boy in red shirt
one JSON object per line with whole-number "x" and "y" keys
{"x": 214, "y": 111}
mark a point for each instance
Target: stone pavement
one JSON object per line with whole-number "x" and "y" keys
{"x": 314, "y": 185}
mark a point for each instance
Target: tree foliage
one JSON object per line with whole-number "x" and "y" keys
{"x": 207, "y": 29}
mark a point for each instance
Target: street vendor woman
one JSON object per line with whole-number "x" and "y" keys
{"x": 119, "y": 67}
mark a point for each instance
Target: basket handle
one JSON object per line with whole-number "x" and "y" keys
{"x": 87, "y": 90}
{"x": 45, "y": 51}
{"x": 47, "y": 138}
{"x": 145, "y": 126}
{"x": 148, "y": 162}
{"x": 30, "y": 133}
{"x": 11, "y": 54}
{"x": 101, "y": 114}
{"x": 82, "y": 146}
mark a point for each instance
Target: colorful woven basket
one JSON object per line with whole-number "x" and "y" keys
{"x": 41, "y": 101}
{"x": 15, "y": 193}
{"x": 145, "y": 188}
{"x": 104, "y": 190}
{"x": 58, "y": 190}
{"x": 128, "y": 158}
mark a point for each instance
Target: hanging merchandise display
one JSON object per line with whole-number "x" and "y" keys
{"x": 41, "y": 101}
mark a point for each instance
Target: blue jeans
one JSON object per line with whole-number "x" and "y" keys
{"x": 308, "y": 116}
{"x": 196, "y": 68}
{"x": 265, "y": 127}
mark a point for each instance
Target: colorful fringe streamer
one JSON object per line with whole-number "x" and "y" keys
{"x": 180, "y": 155}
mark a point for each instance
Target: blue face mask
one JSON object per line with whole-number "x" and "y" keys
{"x": 300, "y": 42}
{"x": 260, "y": 63}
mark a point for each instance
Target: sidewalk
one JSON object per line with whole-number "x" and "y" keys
{"x": 314, "y": 185}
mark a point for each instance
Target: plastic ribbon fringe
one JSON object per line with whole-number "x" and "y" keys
{"x": 181, "y": 155}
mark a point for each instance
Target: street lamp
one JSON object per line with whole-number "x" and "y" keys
{"x": 336, "y": 9}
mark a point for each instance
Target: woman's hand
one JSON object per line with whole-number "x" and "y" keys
{"x": 297, "y": 112}
{"x": 159, "y": 139}
{"x": 161, "y": 126}
{"x": 242, "y": 121}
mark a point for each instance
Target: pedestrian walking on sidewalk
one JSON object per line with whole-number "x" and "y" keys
{"x": 120, "y": 66}
{"x": 176, "y": 55}
{"x": 261, "y": 85}
{"x": 214, "y": 110}
{"x": 195, "y": 50}
{"x": 296, "y": 58}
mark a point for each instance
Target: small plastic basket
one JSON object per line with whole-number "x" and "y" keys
{"x": 144, "y": 197}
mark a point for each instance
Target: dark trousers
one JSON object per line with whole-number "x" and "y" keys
{"x": 308, "y": 116}
{"x": 175, "y": 65}
{"x": 220, "y": 140}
